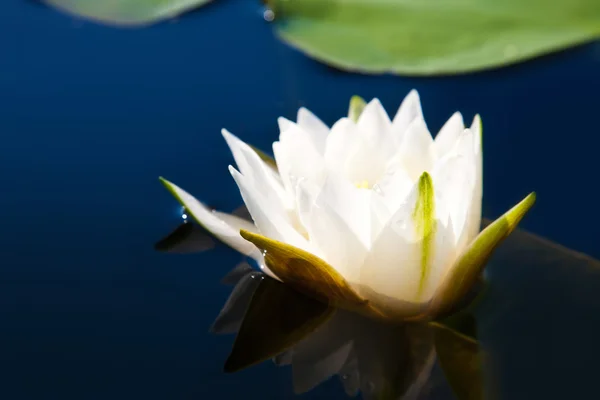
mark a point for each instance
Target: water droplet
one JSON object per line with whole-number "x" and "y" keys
{"x": 184, "y": 216}
{"x": 268, "y": 15}
{"x": 345, "y": 377}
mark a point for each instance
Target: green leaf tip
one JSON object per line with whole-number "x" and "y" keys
{"x": 357, "y": 105}
{"x": 425, "y": 224}
{"x": 470, "y": 264}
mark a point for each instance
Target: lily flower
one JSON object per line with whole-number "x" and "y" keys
{"x": 371, "y": 215}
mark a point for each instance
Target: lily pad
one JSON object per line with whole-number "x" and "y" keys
{"x": 431, "y": 37}
{"x": 126, "y": 12}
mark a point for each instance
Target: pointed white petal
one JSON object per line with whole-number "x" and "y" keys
{"x": 475, "y": 210}
{"x": 351, "y": 204}
{"x": 334, "y": 240}
{"x": 455, "y": 176}
{"x": 284, "y": 124}
{"x": 392, "y": 266}
{"x": 314, "y": 127}
{"x": 410, "y": 109}
{"x": 224, "y": 226}
{"x": 270, "y": 222}
{"x": 448, "y": 135}
{"x": 342, "y": 143}
{"x": 256, "y": 171}
{"x": 405, "y": 261}
{"x": 395, "y": 185}
{"x": 416, "y": 152}
{"x": 297, "y": 158}
{"x": 375, "y": 127}
{"x": 374, "y": 119}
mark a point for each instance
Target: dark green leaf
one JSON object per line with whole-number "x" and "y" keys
{"x": 277, "y": 319}
{"x": 430, "y": 37}
{"x": 126, "y": 12}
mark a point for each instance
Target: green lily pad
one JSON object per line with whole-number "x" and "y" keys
{"x": 278, "y": 317}
{"x": 126, "y": 12}
{"x": 431, "y": 37}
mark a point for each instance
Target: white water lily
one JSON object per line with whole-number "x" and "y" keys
{"x": 372, "y": 214}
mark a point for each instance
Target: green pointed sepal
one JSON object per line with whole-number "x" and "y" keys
{"x": 277, "y": 318}
{"x": 470, "y": 264}
{"x": 357, "y": 105}
{"x": 306, "y": 272}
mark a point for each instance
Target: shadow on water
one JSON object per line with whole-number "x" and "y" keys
{"x": 515, "y": 322}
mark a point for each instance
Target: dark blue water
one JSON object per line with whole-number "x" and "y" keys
{"x": 90, "y": 116}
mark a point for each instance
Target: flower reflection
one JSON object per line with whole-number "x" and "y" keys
{"x": 377, "y": 359}
{"x": 532, "y": 285}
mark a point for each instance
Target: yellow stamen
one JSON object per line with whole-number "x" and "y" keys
{"x": 362, "y": 184}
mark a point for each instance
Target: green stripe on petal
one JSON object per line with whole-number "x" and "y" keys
{"x": 470, "y": 264}
{"x": 305, "y": 272}
{"x": 425, "y": 225}
{"x": 357, "y": 105}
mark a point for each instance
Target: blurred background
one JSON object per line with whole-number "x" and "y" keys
{"x": 91, "y": 115}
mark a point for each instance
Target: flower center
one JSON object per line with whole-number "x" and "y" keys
{"x": 362, "y": 184}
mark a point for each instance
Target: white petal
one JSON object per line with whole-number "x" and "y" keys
{"x": 284, "y": 124}
{"x": 455, "y": 177}
{"x": 333, "y": 239}
{"x": 375, "y": 126}
{"x": 257, "y": 172}
{"x": 297, "y": 158}
{"x": 355, "y": 154}
{"x": 352, "y": 205}
{"x": 314, "y": 127}
{"x": 394, "y": 266}
{"x": 474, "y": 221}
{"x": 416, "y": 152}
{"x": 395, "y": 185}
{"x": 270, "y": 223}
{"x": 448, "y": 135}
{"x": 224, "y": 226}
{"x": 342, "y": 142}
{"x": 374, "y": 119}
{"x": 410, "y": 109}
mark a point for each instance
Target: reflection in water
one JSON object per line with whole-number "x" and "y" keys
{"x": 528, "y": 278}
{"x": 379, "y": 360}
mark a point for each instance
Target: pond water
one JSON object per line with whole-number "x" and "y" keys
{"x": 90, "y": 116}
